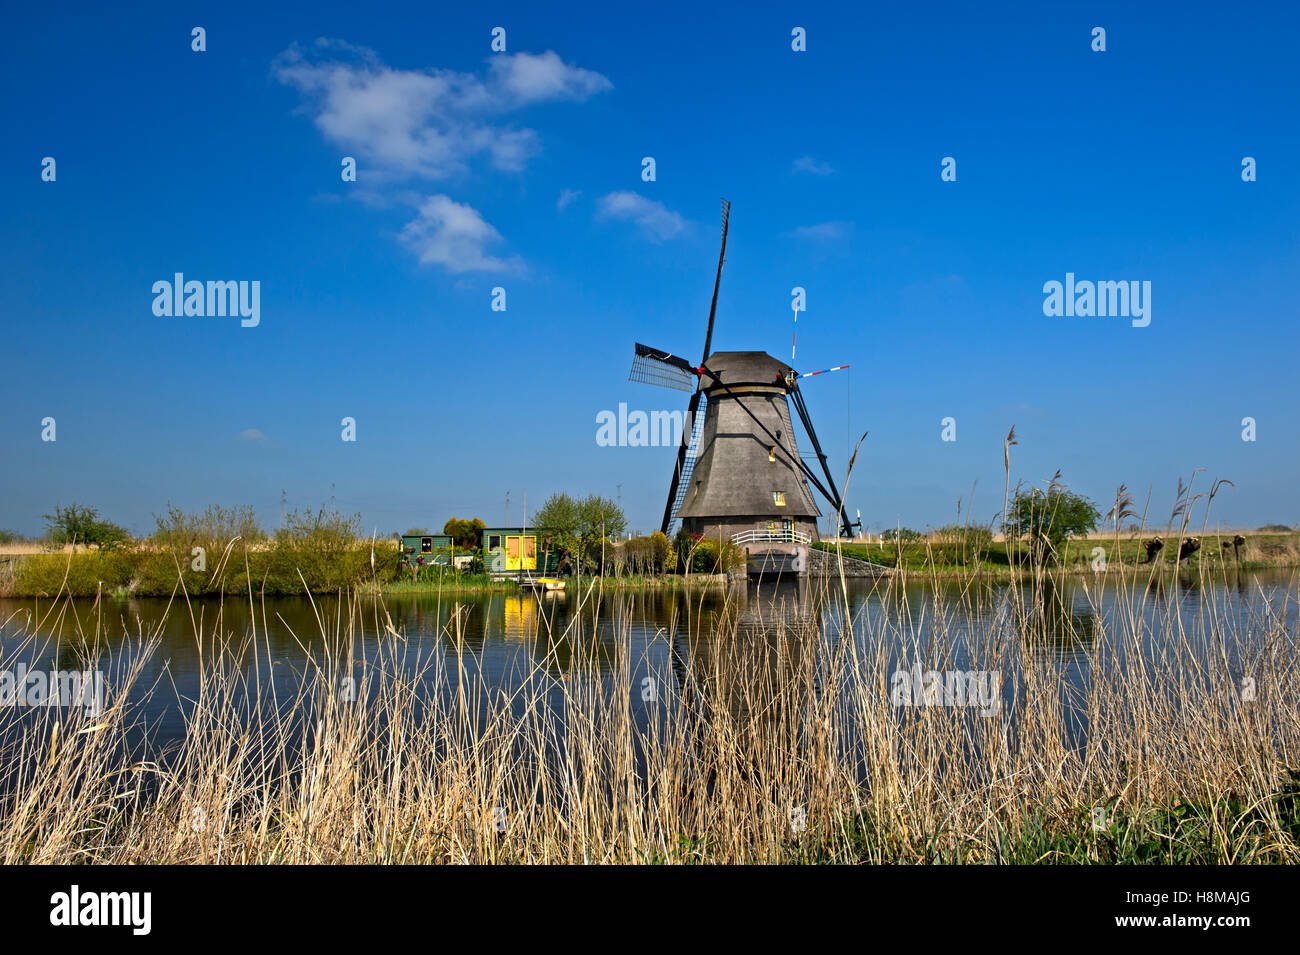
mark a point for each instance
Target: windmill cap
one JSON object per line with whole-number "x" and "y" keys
{"x": 745, "y": 368}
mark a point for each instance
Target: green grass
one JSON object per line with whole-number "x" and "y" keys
{"x": 279, "y": 570}
{"x": 1222, "y": 831}
{"x": 447, "y": 582}
{"x": 1261, "y": 551}
{"x": 455, "y": 583}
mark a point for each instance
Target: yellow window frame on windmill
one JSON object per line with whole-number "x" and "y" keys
{"x": 521, "y": 552}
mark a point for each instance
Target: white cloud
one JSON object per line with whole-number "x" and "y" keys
{"x": 566, "y": 197}
{"x": 254, "y": 435}
{"x": 532, "y": 78}
{"x": 455, "y": 236}
{"x": 656, "y": 221}
{"x": 808, "y": 164}
{"x": 823, "y": 231}
{"x": 428, "y": 123}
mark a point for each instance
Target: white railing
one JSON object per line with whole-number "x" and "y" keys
{"x": 783, "y": 536}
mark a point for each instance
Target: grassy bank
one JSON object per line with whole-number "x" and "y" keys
{"x": 767, "y": 743}
{"x": 286, "y": 567}
{"x": 273, "y": 568}
{"x": 268, "y": 570}
{"x": 995, "y": 558}
{"x": 458, "y": 583}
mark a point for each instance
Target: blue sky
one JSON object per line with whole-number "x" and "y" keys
{"x": 522, "y": 170}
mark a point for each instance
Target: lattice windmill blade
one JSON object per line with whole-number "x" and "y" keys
{"x": 691, "y": 436}
{"x": 653, "y": 366}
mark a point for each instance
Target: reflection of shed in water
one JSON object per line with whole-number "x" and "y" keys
{"x": 520, "y": 617}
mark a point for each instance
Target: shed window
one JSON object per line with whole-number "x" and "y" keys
{"x": 494, "y": 541}
{"x": 426, "y": 545}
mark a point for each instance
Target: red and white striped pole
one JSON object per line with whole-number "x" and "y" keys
{"x": 812, "y": 374}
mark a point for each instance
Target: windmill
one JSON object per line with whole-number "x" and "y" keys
{"x": 739, "y": 473}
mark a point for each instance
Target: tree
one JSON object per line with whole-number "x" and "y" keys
{"x": 1050, "y": 517}
{"x": 76, "y": 524}
{"x": 559, "y": 517}
{"x": 580, "y": 526}
{"x": 600, "y": 518}
{"x": 465, "y": 534}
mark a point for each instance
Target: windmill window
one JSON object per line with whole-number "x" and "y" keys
{"x": 771, "y": 454}
{"x": 778, "y": 498}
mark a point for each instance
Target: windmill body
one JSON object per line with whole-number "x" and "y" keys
{"x": 745, "y": 484}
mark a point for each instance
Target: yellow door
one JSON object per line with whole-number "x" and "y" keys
{"x": 521, "y": 552}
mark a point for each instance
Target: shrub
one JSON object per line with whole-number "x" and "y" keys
{"x": 643, "y": 555}
{"x": 43, "y": 575}
{"x": 324, "y": 549}
{"x": 708, "y": 558}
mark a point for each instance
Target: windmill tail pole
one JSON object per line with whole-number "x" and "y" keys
{"x": 833, "y": 496}
{"x": 824, "y": 371}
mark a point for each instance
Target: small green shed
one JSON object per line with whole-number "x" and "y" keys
{"x": 433, "y": 548}
{"x": 519, "y": 550}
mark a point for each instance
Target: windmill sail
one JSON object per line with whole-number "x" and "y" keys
{"x": 696, "y": 427}
{"x": 677, "y": 489}
{"x": 651, "y": 366}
